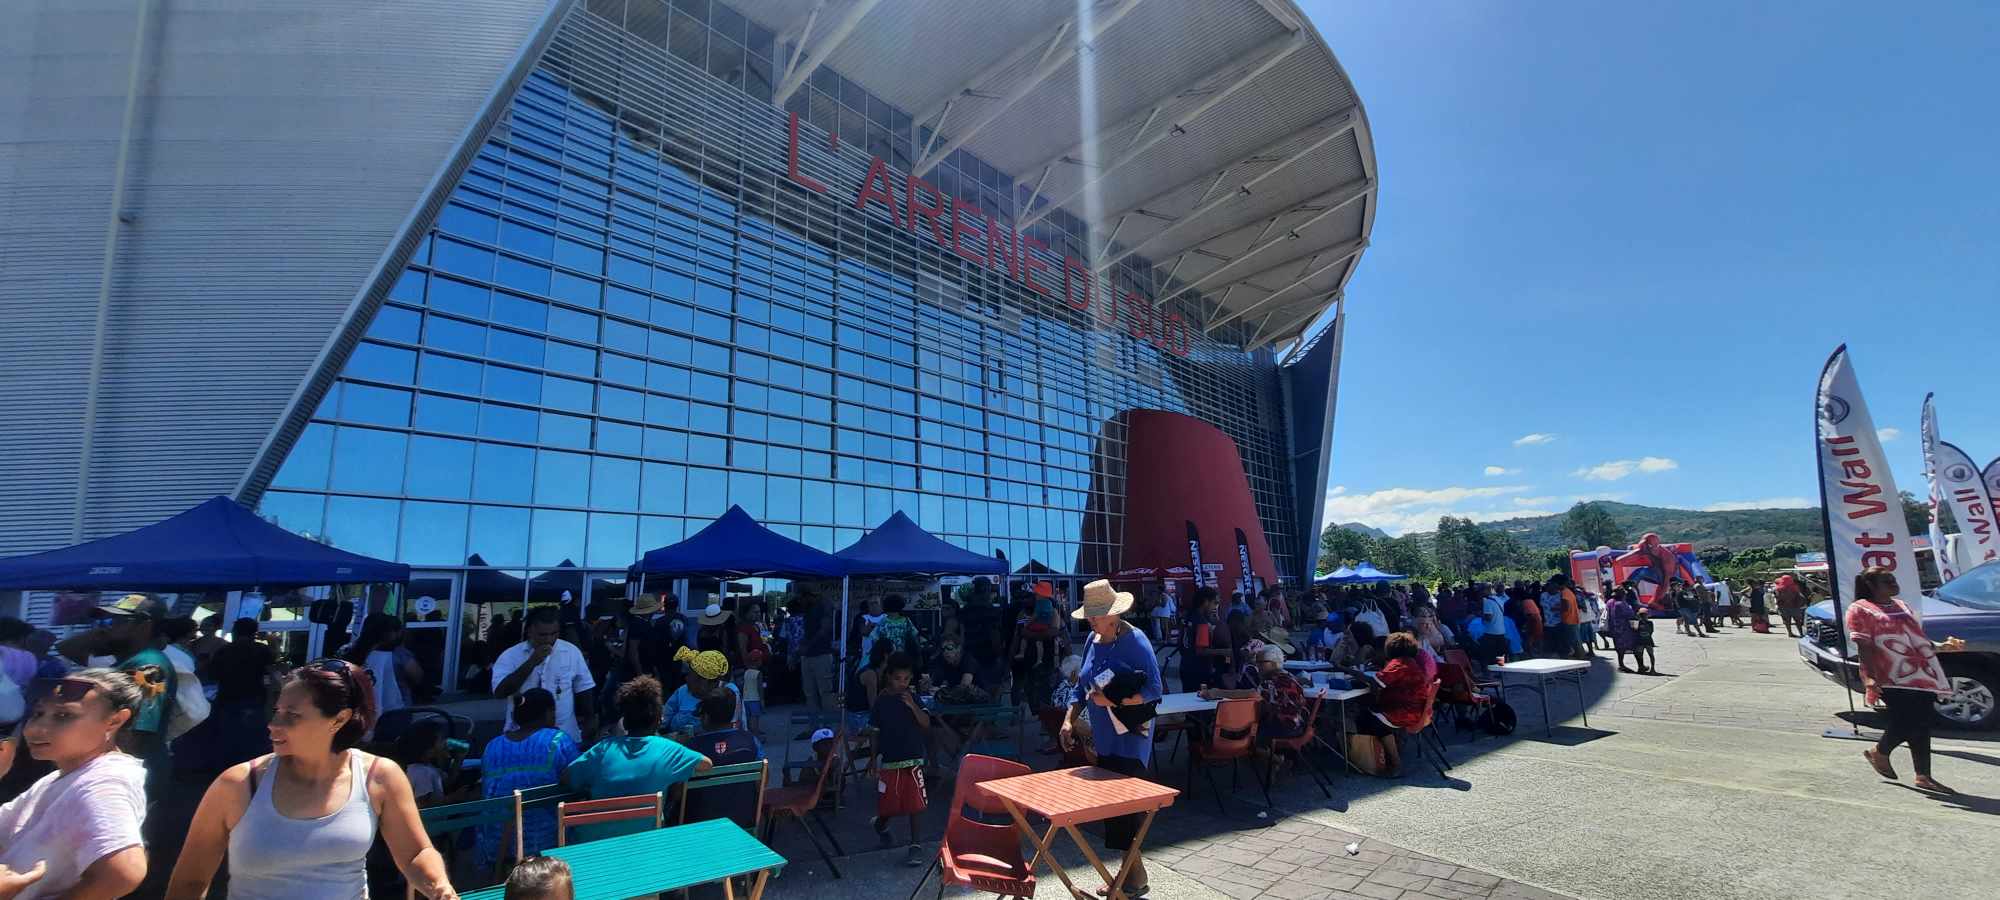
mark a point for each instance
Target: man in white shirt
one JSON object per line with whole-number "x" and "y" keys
{"x": 546, "y": 661}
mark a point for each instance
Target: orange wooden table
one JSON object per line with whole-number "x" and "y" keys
{"x": 1071, "y": 797}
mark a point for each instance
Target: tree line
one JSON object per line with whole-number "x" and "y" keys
{"x": 1461, "y": 550}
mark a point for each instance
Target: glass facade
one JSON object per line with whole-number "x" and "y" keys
{"x": 629, "y": 318}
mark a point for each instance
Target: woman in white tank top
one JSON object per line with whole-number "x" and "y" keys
{"x": 298, "y": 823}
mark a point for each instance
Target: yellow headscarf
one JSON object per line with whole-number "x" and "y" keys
{"x": 708, "y": 663}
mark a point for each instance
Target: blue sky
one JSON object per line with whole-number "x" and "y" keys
{"x": 1751, "y": 184}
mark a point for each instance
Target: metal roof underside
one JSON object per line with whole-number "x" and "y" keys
{"x": 1224, "y": 143}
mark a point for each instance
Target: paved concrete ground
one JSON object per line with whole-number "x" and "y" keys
{"x": 1711, "y": 781}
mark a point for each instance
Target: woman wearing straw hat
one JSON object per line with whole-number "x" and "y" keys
{"x": 1116, "y": 655}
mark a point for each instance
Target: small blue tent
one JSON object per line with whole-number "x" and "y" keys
{"x": 1342, "y": 575}
{"x": 216, "y": 546}
{"x": 901, "y": 547}
{"x": 1366, "y": 573}
{"x": 736, "y": 546}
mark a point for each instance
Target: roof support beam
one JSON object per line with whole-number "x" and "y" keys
{"x": 802, "y": 69}
{"x": 1261, "y": 337}
{"x": 1326, "y": 204}
{"x": 1315, "y": 271}
{"x": 1214, "y": 177}
{"x": 1051, "y": 63}
{"x": 796, "y": 36}
{"x": 1247, "y": 188}
{"x": 1239, "y": 75}
{"x": 1339, "y": 196}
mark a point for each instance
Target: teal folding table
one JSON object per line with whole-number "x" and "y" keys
{"x": 661, "y": 860}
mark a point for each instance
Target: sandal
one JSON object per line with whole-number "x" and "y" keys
{"x": 1927, "y": 783}
{"x": 1881, "y": 765}
{"x": 1131, "y": 893}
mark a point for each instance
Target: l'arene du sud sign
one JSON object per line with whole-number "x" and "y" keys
{"x": 983, "y": 238}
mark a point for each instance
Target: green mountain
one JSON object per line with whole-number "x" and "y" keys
{"x": 1737, "y": 529}
{"x": 1359, "y": 528}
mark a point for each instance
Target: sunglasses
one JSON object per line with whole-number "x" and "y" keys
{"x": 62, "y": 690}
{"x": 345, "y": 670}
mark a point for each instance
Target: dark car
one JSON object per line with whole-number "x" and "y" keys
{"x": 1968, "y": 607}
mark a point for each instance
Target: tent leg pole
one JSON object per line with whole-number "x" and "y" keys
{"x": 840, "y": 652}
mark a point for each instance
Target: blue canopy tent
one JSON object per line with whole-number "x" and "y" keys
{"x": 901, "y": 547}
{"x": 1342, "y": 575}
{"x": 736, "y": 546}
{"x": 1361, "y": 573}
{"x": 1366, "y": 573}
{"x": 217, "y": 545}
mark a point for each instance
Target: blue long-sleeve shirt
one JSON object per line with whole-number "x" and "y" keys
{"x": 1131, "y": 652}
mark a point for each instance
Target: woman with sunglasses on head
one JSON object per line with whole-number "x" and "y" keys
{"x": 298, "y": 823}
{"x": 78, "y": 827}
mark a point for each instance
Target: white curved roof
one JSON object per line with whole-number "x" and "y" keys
{"x": 1227, "y": 145}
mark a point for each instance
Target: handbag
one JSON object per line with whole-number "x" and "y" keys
{"x": 190, "y": 704}
{"x": 1366, "y": 753}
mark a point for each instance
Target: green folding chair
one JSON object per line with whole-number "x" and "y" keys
{"x": 548, "y": 795}
{"x": 442, "y": 821}
{"x": 735, "y": 792}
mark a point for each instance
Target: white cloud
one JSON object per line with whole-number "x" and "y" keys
{"x": 1497, "y": 471}
{"x": 1885, "y": 435}
{"x": 1534, "y": 440}
{"x": 1766, "y": 503}
{"x": 1338, "y": 489}
{"x": 1400, "y": 510}
{"x": 1533, "y": 501}
{"x": 1620, "y": 468}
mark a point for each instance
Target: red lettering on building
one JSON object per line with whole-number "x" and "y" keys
{"x": 878, "y": 172}
{"x": 1159, "y": 339}
{"x": 1177, "y": 327}
{"x": 792, "y": 161}
{"x": 960, "y": 212}
{"x": 1002, "y": 243}
{"x": 1025, "y": 246}
{"x": 1007, "y": 251}
{"x": 1138, "y": 314}
{"x": 931, "y": 209}
{"x": 1076, "y": 275}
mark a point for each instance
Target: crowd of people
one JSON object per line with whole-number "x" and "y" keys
{"x": 636, "y": 699}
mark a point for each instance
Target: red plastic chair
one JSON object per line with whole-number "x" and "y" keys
{"x": 1296, "y": 746}
{"x": 1231, "y": 740}
{"x": 1458, "y": 658}
{"x": 801, "y": 802}
{"x": 1460, "y": 693}
{"x": 975, "y": 854}
{"x": 610, "y": 809}
{"x": 1426, "y": 726}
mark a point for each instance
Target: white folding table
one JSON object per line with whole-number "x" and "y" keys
{"x": 1544, "y": 671}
